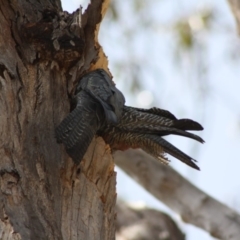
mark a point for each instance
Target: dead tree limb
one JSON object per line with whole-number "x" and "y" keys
{"x": 193, "y": 205}
{"x": 145, "y": 224}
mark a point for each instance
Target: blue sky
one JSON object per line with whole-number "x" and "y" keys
{"x": 174, "y": 87}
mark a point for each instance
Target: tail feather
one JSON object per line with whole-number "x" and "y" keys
{"x": 152, "y": 121}
{"x": 167, "y": 131}
{"x": 187, "y": 124}
{"x": 159, "y": 130}
{"x": 175, "y": 152}
{"x": 156, "y": 111}
{"x": 150, "y": 143}
{"x": 144, "y": 128}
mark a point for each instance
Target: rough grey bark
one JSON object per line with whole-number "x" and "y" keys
{"x": 42, "y": 194}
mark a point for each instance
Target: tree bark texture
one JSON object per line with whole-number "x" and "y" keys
{"x": 193, "y": 205}
{"x": 43, "y": 195}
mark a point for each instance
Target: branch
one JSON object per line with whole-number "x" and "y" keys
{"x": 145, "y": 224}
{"x": 192, "y": 204}
{"x": 235, "y": 6}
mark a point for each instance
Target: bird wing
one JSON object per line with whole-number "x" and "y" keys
{"x": 77, "y": 130}
{"x": 100, "y": 86}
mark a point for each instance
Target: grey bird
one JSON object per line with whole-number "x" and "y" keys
{"x": 100, "y": 110}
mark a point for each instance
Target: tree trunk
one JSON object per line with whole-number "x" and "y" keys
{"x": 43, "y": 194}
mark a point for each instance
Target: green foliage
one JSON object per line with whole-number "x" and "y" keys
{"x": 187, "y": 28}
